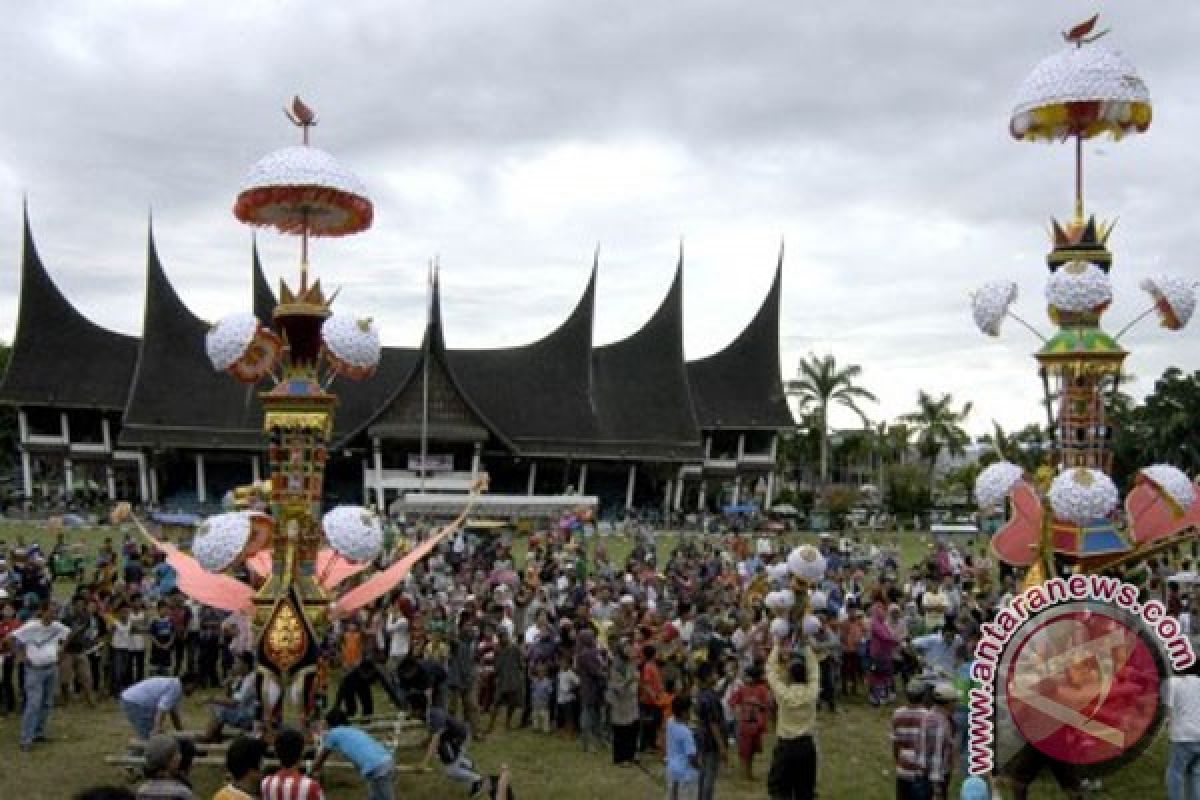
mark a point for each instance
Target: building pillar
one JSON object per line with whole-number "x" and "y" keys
{"x": 107, "y": 434}
{"x": 110, "y": 478}
{"x": 737, "y": 490}
{"x": 702, "y": 500}
{"x": 475, "y": 462}
{"x": 377, "y": 455}
{"x": 201, "y": 483}
{"x": 668, "y": 493}
{"x": 582, "y": 479}
{"x": 152, "y": 471}
{"x": 629, "y": 487}
{"x": 27, "y": 473}
{"x": 22, "y": 425}
{"x": 707, "y": 447}
{"x": 770, "y": 499}
{"x": 69, "y": 475}
{"x": 741, "y": 446}
{"x": 532, "y": 478}
{"x": 677, "y": 505}
{"x": 64, "y": 423}
{"x": 255, "y": 469}
{"x": 143, "y": 479}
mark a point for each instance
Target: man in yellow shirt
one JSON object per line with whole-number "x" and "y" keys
{"x": 795, "y": 683}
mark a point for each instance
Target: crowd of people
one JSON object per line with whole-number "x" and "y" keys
{"x": 684, "y": 658}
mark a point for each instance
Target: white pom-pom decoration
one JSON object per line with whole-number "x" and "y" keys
{"x": 1175, "y": 299}
{"x": 780, "y": 628}
{"x": 1079, "y": 286}
{"x": 229, "y": 340}
{"x": 1083, "y": 495}
{"x": 220, "y": 539}
{"x": 353, "y": 344}
{"x": 995, "y": 482}
{"x": 354, "y": 532}
{"x": 811, "y": 625}
{"x": 1093, "y": 73}
{"x": 778, "y": 572}
{"x": 302, "y": 166}
{"x": 1173, "y": 483}
{"x": 990, "y": 303}
{"x": 818, "y": 600}
{"x": 807, "y": 562}
{"x": 787, "y": 598}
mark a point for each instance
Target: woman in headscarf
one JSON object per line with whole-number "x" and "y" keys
{"x": 881, "y": 648}
{"x": 622, "y": 696}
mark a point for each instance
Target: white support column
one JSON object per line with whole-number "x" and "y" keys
{"x": 107, "y": 432}
{"x": 582, "y": 478}
{"x": 737, "y": 490}
{"x": 143, "y": 479}
{"x": 707, "y": 447}
{"x": 629, "y": 487}
{"x": 677, "y": 505}
{"x": 741, "y": 446}
{"x": 532, "y": 478}
{"x": 110, "y": 478}
{"x": 255, "y": 469}
{"x": 702, "y": 500}
{"x": 68, "y": 474}
{"x": 65, "y": 426}
{"x": 475, "y": 461}
{"x": 774, "y": 447}
{"x": 27, "y": 473}
{"x": 153, "y": 473}
{"x": 668, "y": 492}
{"x": 377, "y": 454}
{"x": 22, "y": 425}
{"x": 770, "y": 490}
{"x": 201, "y": 482}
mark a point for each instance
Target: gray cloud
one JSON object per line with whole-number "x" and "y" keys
{"x": 509, "y": 139}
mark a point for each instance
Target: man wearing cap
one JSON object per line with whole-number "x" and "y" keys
{"x": 792, "y": 676}
{"x": 936, "y": 746}
{"x": 162, "y": 760}
{"x": 39, "y": 645}
{"x": 907, "y": 721}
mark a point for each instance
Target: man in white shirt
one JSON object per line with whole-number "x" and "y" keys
{"x": 148, "y": 704}
{"x": 39, "y": 646}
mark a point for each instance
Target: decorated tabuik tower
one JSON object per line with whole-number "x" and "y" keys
{"x": 300, "y": 191}
{"x": 1069, "y": 510}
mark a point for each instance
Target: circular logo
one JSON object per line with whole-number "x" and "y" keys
{"x": 1082, "y": 685}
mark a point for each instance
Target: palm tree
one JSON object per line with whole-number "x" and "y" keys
{"x": 889, "y": 444}
{"x": 820, "y": 384}
{"x": 939, "y": 427}
{"x": 1006, "y": 446}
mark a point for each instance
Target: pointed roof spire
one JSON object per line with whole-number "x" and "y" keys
{"x": 59, "y": 356}
{"x": 263, "y": 298}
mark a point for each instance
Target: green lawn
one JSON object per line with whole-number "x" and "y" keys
{"x": 855, "y": 754}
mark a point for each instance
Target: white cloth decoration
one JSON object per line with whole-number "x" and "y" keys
{"x": 1078, "y": 286}
{"x": 995, "y": 482}
{"x": 353, "y": 341}
{"x": 1172, "y": 482}
{"x": 1093, "y": 73}
{"x": 229, "y": 339}
{"x": 807, "y": 562}
{"x": 354, "y": 532}
{"x": 780, "y": 628}
{"x": 811, "y": 625}
{"x": 818, "y": 600}
{"x": 302, "y": 166}
{"x": 221, "y": 538}
{"x": 990, "y": 303}
{"x": 1083, "y": 495}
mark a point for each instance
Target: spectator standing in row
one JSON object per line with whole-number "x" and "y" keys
{"x": 39, "y": 644}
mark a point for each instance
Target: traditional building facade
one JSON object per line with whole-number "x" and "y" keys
{"x": 632, "y": 423}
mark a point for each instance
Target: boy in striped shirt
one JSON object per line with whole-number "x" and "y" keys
{"x": 289, "y": 783}
{"x": 907, "y": 722}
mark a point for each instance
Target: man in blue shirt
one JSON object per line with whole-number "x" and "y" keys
{"x": 937, "y": 650}
{"x": 372, "y": 760}
{"x": 683, "y": 777}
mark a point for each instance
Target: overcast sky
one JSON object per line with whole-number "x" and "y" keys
{"x": 509, "y": 139}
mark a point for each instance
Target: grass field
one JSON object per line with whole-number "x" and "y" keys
{"x": 855, "y": 754}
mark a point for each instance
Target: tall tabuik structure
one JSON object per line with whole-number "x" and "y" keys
{"x": 1085, "y": 90}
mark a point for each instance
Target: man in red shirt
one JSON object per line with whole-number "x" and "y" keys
{"x": 289, "y": 783}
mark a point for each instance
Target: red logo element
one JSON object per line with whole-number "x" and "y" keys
{"x": 1083, "y": 687}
